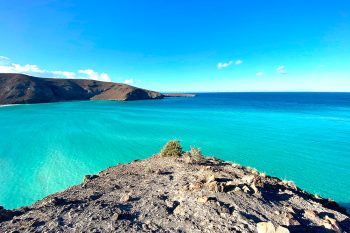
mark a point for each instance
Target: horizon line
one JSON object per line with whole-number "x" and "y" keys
{"x": 279, "y": 91}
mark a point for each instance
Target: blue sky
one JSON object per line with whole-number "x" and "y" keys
{"x": 228, "y": 45}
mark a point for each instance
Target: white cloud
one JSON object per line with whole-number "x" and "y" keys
{"x": 227, "y": 64}
{"x": 260, "y": 73}
{"x": 6, "y": 66}
{"x": 105, "y": 77}
{"x": 282, "y": 70}
{"x": 129, "y": 81}
{"x": 91, "y": 74}
{"x": 224, "y": 64}
{"x": 17, "y": 68}
{"x": 238, "y": 62}
{"x": 66, "y": 74}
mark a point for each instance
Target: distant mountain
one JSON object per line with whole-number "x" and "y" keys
{"x": 23, "y": 89}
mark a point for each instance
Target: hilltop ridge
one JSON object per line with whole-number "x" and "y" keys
{"x": 23, "y": 89}
{"x": 175, "y": 194}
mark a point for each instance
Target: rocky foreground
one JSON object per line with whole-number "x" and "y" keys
{"x": 167, "y": 194}
{"x": 25, "y": 89}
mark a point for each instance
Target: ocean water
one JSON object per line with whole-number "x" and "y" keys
{"x": 303, "y": 137}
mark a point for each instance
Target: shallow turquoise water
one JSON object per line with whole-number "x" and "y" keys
{"x": 304, "y": 137}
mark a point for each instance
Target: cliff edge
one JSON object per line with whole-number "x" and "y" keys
{"x": 178, "y": 194}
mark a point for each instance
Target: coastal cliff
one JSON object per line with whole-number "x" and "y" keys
{"x": 179, "y": 194}
{"x": 22, "y": 89}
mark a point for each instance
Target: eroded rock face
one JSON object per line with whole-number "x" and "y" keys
{"x": 169, "y": 195}
{"x": 22, "y": 89}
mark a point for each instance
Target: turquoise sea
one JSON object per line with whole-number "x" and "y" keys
{"x": 303, "y": 137}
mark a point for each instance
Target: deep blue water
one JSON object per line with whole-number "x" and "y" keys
{"x": 303, "y": 137}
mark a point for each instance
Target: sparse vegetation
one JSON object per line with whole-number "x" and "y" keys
{"x": 172, "y": 149}
{"x": 194, "y": 156}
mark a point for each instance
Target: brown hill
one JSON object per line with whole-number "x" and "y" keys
{"x": 23, "y": 89}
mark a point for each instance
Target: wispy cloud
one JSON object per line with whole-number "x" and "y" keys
{"x": 129, "y": 81}
{"x": 224, "y": 64}
{"x": 282, "y": 70}
{"x": 260, "y": 73}
{"x": 238, "y": 62}
{"x": 227, "y": 64}
{"x": 6, "y": 66}
{"x": 4, "y": 60}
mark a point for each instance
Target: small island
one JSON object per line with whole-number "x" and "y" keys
{"x": 176, "y": 191}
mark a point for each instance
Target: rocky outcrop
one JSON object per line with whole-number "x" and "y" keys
{"x": 22, "y": 89}
{"x": 167, "y": 194}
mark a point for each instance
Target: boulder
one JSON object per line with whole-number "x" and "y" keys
{"x": 245, "y": 189}
{"x": 213, "y": 186}
{"x": 281, "y": 229}
{"x": 268, "y": 227}
{"x": 265, "y": 227}
{"x": 195, "y": 186}
{"x": 202, "y": 200}
{"x": 125, "y": 198}
{"x": 248, "y": 179}
{"x": 331, "y": 223}
{"x": 210, "y": 178}
{"x": 310, "y": 214}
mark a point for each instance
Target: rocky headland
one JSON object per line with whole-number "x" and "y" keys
{"x": 23, "y": 89}
{"x": 179, "y": 193}
{"x": 178, "y": 95}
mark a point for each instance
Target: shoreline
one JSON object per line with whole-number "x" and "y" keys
{"x": 8, "y": 105}
{"x": 124, "y": 194}
{"x": 178, "y": 95}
